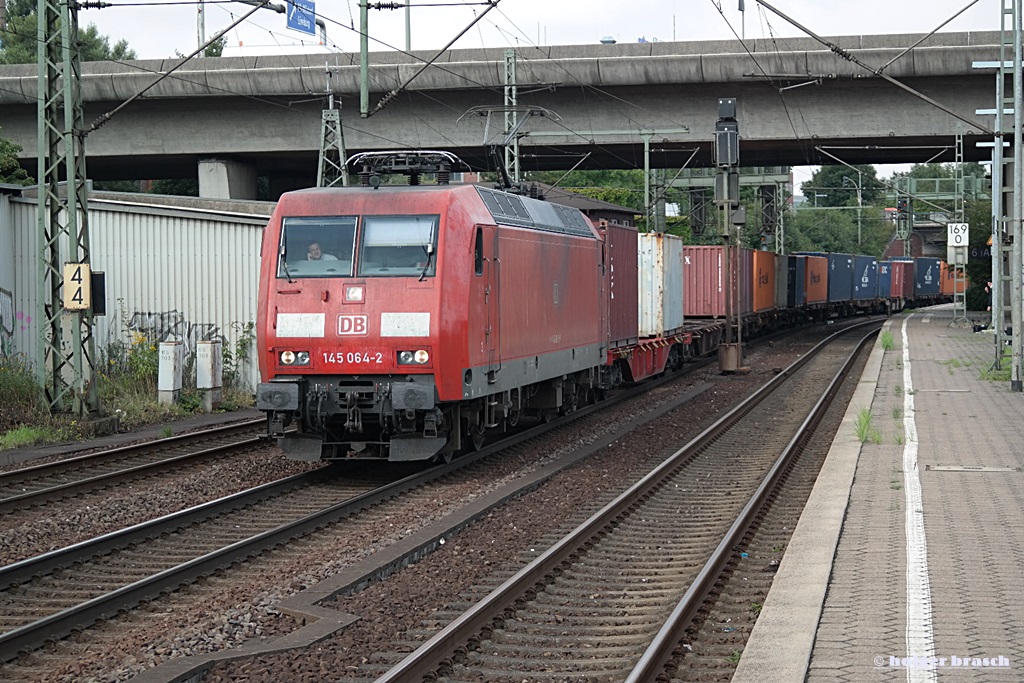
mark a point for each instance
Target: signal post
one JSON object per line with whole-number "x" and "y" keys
{"x": 731, "y": 216}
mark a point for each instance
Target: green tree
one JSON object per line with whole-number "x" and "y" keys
{"x": 978, "y": 215}
{"x": 837, "y": 186}
{"x": 19, "y": 45}
{"x": 630, "y": 178}
{"x": 116, "y": 185}
{"x": 835, "y": 230}
{"x": 613, "y": 195}
{"x": 944, "y": 174}
{"x": 10, "y": 170}
{"x": 216, "y": 48}
{"x": 183, "y": 187}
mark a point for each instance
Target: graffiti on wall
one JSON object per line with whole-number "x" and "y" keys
{"x": 171, "y": 326}
{"x": 9, "y": 319}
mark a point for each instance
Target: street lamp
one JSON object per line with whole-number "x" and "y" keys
{"x": 860, "y": 203}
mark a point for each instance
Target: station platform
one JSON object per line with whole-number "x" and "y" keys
{"x": 908, "y": 562}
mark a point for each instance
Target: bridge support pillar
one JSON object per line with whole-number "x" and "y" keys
{"x": 226, "y": 179}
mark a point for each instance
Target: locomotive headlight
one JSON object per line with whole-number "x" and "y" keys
{"x": 294, "y": 358}
{"x": 418, "y": 357}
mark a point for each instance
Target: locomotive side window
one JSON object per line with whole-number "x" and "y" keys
{"x": 398, "y": 246}
{"x": 478, "y": 252}
{"x": 316, "y": 246}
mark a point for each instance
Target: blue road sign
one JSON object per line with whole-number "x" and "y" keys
{"x": 302, "y": 16}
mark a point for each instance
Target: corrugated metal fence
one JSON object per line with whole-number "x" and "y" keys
{"x": 172, "y": 274}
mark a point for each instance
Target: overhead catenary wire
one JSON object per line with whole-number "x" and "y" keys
{"x": 877, "y": 72}
{"x": 880, "y": 181}
{"x": 782, "y": 98}
{"x": 391, "y": 95}
{"x": 927, "y": 36}
{"x": 104, "y": 118}
{"x": 583, "y": 89}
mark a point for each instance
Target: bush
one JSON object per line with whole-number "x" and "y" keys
{"x": 22, "y": 397}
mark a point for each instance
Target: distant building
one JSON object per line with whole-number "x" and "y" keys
{"x": 594, "y": 209}
{"x": 895, "y": 248}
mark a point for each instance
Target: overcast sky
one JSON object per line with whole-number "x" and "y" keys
{"x": 156, "y": 29}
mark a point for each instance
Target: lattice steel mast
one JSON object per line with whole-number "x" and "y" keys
{"x": 65, "y": 366}
{"x": 332, "y": 170}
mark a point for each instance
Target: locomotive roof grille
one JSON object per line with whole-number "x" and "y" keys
{"x": 525, "y": 212}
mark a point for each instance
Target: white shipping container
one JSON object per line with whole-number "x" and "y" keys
{"x": 660, "y": 274}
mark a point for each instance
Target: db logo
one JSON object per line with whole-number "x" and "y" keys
{"x": 351, "y": 324}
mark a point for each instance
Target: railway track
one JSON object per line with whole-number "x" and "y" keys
{"x": 718, "y": 636}
{"x": 612, "y": 599}
{"x": 42, "y": 600}
{"x": 36, "y": 630}
{"x": 50, "y": 482}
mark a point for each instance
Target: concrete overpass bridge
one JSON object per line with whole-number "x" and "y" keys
{"x": 244, "y": 117}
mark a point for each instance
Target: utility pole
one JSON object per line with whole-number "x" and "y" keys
{"x": 957, "y": 239}
{"x": 511, "y": 158}
{"x": 1017, "y": 252}
{"x": 364, "y": 56}
{"x": 860, "y": 201}
{"x": 731, "y": 216}
{"x": 904, "y": 219}
{"x": 200, "y": 24}
{"x": 64, "y": 285}
{"x": 1007, "y": 191}
{"x": 333, "y": 169}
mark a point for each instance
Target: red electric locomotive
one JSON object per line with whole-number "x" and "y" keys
{"x": 401, "y": 322}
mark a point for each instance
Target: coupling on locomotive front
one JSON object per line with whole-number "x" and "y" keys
{"x": 401, "y": 322}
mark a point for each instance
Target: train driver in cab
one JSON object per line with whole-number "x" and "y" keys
{"x": 313, "y": 253}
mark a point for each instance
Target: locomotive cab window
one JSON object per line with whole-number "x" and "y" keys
{"x": 398, "y": 246}
{"x": 320, "y": 246}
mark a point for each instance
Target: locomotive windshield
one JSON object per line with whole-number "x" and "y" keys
{"x": 398, "y": 246}
{"x": 317, "y": 246}
{"x": 388, "y": 246}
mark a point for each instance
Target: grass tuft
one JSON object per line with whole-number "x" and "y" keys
{"x": 864, "y": 428}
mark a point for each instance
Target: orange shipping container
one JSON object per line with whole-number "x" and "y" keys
{"x": 816, "y": 282}
{"x": 764, "y": 281}
{"x": 949, "y": 280}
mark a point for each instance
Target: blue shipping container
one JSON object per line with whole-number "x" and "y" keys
{"x": 840, "y": 277}
{"x": 927, "y": 277}
{"x": 865, "y": 277}
{"x": 796, "y": 282}
{"x": 884, "y": 279}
